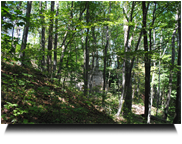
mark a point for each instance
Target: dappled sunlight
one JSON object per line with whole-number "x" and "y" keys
{"x": 90, "y": 62}
{"x": 41, "y": 103}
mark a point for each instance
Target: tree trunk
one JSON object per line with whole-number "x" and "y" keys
{"x": 86, "y": 56}
{"x": 105, "y": 59}
{"x": 122, "y": 91}
{"x": 126, "y": 37}
{"x": 170, "y": 77}
{"x": 177, "y": 117}
{"x": 128, "y": 87}
{"x": 49, "y": 56}
{"x": 147, "y": 61}
{"x": 42, "y": 63}
{"x": 159, "y": 91}
{"x": 55, "y": 39}
{"x": 127, "y": 67}
{"x": 25, "y": 33}
{"x": 93, "y": 60}
{"x": 151, "y": 96}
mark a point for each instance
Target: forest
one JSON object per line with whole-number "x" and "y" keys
{"x": 91, "y": 62}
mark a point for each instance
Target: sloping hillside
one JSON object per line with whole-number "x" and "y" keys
{"x": 28, "y": 97}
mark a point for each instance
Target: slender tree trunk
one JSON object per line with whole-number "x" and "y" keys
{"x": 134, "y": 87}
{"x": 42, "y": 63}
{"x": 147, "y": 61}
{"x": 152, "y": 85}
{"x": 159, "y": 91}
{"x": 25, "y": 34}
{"x": 105, "y": 59}
{"x": 86, "y": 58}
{"x": 55, "y": 39}
{"x": 177, "y": 117}
{"x": 138, "y": 86}
{"x": 118, "y": 77}
{"x": 165, "y": 114}
{"x": 122, "y": 91}
{"x": 93, "y": 60}
{"x": 49, "y": 56}
{"x": 151, "y": 96}
{"x": 123, "y": 69}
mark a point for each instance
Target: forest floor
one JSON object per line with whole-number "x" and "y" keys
{"x": 28, "y": 97}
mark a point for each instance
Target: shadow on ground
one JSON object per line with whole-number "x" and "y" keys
{"x": 28, "y": 98}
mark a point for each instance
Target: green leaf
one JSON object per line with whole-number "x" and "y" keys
{"x": 21, "y": 82}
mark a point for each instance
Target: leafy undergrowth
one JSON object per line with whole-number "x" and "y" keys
{"x": 27, "y": 97}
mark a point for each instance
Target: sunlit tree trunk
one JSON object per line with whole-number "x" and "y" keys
{"x": 165, "y": 114}
{"x": 159, "y": 90}
{"x": 151, "y": 96}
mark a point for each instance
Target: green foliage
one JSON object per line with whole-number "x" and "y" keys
{"x": 32, "y": 93}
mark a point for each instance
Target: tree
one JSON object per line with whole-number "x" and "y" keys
{"x": 170, "y": 76}
{"x": 105, "y": 48}
{"x": 55, "y": 39}
{"x": 152, "y": 92}
{"x": 105, "y": 58}
{"x": 177, "y": 118}
{"x": 86, "y": 55}
{"x": 25, "y": 33}
{"x": 43, "y": 34}
{"x": 50, "y": 40}
{"x": 147, "y": 60}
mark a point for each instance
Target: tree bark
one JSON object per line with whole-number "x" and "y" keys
{"x": 56, "y": 37}
{"x": 25, "y": 33}
{"x": 159, "y": 91}
{"x": 127, "y": 67}
{"x": 151, "y": 96}
{"x": 128, "y": 88}
{"x": 43, "y": 36}
{"x": 177, "y": 117}
{"x": 105, "y": 59}
{"x": 165, "y": 114}
{"x": 86, "y": 56}
{"x": 147, "y": 61}
{"x": 49, "y": 56}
